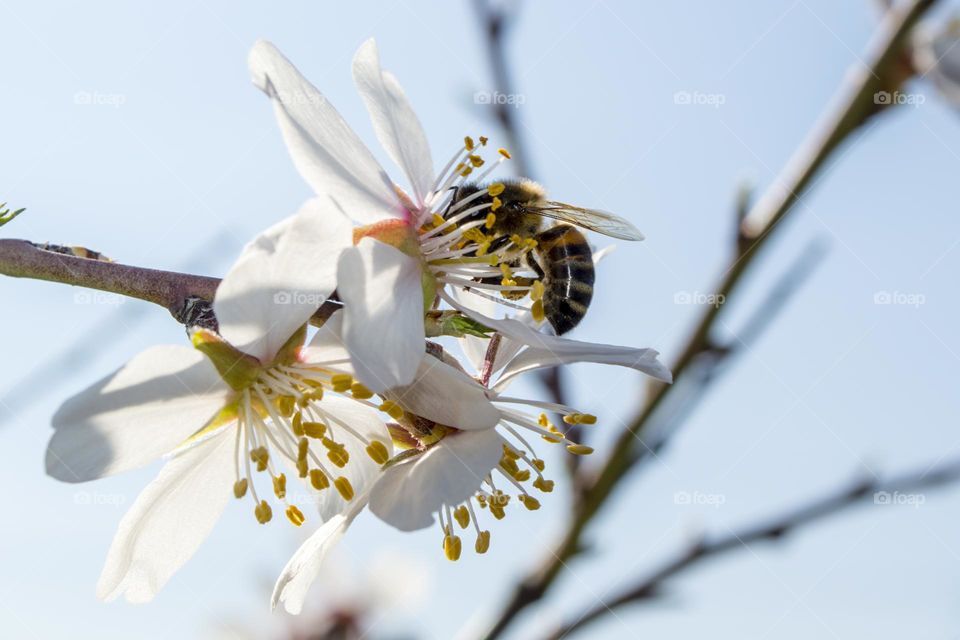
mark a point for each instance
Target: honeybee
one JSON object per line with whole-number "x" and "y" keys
{"x": 562, "y": 259}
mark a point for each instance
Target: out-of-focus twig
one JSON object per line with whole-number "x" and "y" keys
{"x": 772, "y": 529}
{"x": 854, "y": 106}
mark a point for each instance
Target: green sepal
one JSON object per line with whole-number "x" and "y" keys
{"x": 238, "y": 369}
{"x": 453, "y": 323}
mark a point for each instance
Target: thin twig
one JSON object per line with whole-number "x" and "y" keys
{"x": 854, "y": 106}
{"x": 772, "y": 529}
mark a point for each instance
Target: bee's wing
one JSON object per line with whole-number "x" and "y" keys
{"x": 593, "y": 219}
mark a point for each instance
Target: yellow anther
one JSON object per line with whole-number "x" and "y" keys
{"x": 468, "y": 142}
{"x": 483, "y": 140}
{"x": 543, "y": 485}
{"x": 392, "y": 409}
{"x": 497, "y": 511}
{"x": 302, "y": 468}
{"x": 297, "y": 424}
{"x": 462, "y": 515}
{"x": 280, "y": 486}
{"x": 539, "y": 464}
{"x": 494, "y": 260}
{"x": 522, "y": 476}
{"x": 510, "y": 452}
{"x": 303, "y": 447}
{"x": 466, "y": 171}
{"x": 496, "y": 204}
{"x": 490, "y": 221}
{"x": 504, "y": 153}
{"x": 344, "y": 488}
{"x": 261, "y": 456}
{"x": 496, "y": 188}
{"x": 531, "y": 503}
{"x": 314, "y": 429}
{"x": 336, "y": 452}
{"x": 360, "y": 392}
{"x": 295, "y": 516}
{"x": 263, "y": 512}
{"x": 476, "y": 161}
{"x": 531, "y": 242}
{"x": 516, "y": 239}
{"x": 378, "y": 452}
{"x": 451, "y": 547}
{"x": 483, "y": 247}
{"x": 587, "y": 418}
{"x": 483, "y": 542}
{"x": 536, "y": 290}
{"x": 536, "y": 310}
{"x": 319, "y": 480}
{"x": 240, "y": 488}
{"x": 509, "y": 466}
{"x": 341, "y": 382}
{"x": 438, "y": 220}
{"x": 579, "y": 449}
{"x": 482, "y": 501}
{"x": 543, "y": 421}
{"x": 552, "y": 439}
{"x": 286, "y": 405}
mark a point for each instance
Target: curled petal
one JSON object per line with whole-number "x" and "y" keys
{"x": 169, "y": 521}
{"x": 408, "y": 494}
{"x": 394, "y": 120}
{"x": 135, "y": 415}
{"x": 304, "y": 567}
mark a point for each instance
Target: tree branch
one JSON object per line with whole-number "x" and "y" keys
{"x": 773, "y": 530}
{"x": 170, "y": 290}
{"x": 854, "y": 107}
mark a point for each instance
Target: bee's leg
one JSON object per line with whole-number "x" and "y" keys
{"x": 532, "y": 263}
{"x": 453, "y": 200}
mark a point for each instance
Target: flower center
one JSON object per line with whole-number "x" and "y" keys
{"x": 462, "y": 242}
{"x": 281, "y": 415}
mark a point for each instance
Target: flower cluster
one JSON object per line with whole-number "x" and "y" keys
{"x": 363, "y": 411}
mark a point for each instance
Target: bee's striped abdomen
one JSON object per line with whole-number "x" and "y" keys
{"x": 567, "y": 263}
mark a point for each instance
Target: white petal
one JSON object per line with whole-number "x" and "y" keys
{"x": 394, "y": 120}
{"x": 325, "y": 150}
{"x": 281, "y": 278}
{"x": 548, "y": 350}
{"x": 447, "y": 396}
{"x": 383, "y": 313}
{"x": 302, "y": 569}
{"x": 135, "y": 415}
{"x": 408, "y": 494}
{"x": 644, "y": 360}
{"x": 326, "y": 345}
{"x": 361, "y": 470}
{"x": 169, "y": 521}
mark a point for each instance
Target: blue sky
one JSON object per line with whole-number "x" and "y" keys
{"x": 134, "y": 129}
